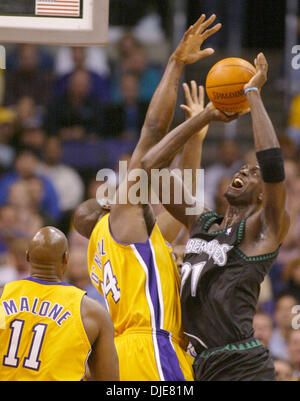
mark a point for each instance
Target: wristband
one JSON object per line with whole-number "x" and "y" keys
{"x": 271, "y": 165}
{"x": 252, "y": 88}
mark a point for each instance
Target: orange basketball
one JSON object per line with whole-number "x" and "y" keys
{"x": 225, "y": 84}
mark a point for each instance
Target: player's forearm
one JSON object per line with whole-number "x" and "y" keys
{"x": 161, "y": 109}
{"x": 191, "y": 156}
{"x": 263, "y": 130}
{"x": 270, "y": 160}
{"x": 161, "y": 154}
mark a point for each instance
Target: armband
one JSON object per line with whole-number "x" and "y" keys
{"x": 271, "y": 164}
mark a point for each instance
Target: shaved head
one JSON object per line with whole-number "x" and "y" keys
{"x": 86, "y": 217}
{"x": 49, "y": 247}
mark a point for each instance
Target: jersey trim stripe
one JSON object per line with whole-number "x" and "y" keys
{"x": 169, "y": 360}
{"x": 165, "y": 354}
{"x": 160, "y": 296}
{"x": 196, "y": 338}
{"x": 86, "y": 365}
{"x": 36, "y": 280}
{"x": 152, "y": 312}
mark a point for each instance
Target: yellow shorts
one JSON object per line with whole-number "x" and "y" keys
{"x": 144, "y": 356}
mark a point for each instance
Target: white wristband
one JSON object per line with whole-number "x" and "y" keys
{"x": 252, "y": 88}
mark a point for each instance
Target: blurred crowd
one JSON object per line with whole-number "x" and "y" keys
{"x": 68, "y": 112}
{"x": 65, "y": 113}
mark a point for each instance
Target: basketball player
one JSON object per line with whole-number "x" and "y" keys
{"x": 129, "y": 260}
{"x": 50, "y": 330}
{"x": 227, "y": 257}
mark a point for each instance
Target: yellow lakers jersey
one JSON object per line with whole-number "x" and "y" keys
{"x": 140, "y": 283}
{"x": 42, "y": 336}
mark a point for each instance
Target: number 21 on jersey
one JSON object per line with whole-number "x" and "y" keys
{"x": 195, "y": 270}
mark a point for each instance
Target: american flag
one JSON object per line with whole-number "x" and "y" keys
{"x": 67, "y": 8}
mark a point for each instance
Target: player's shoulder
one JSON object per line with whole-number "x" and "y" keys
{"x": 95, "y": 310}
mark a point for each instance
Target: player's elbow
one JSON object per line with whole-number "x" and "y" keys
{"x": 155, "y": 124}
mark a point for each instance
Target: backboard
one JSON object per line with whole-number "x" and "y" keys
{"x": 54, "y": 22}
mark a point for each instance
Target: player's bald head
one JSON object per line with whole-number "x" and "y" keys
{"x": 86, "y": 217}
{"x": 49, "y": 246}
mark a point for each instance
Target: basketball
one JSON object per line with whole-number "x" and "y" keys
{"x": 225, "y": 84}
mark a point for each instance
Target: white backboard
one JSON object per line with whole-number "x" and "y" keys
{"x": 54, "y": 22}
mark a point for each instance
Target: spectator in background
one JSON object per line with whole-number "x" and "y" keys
{"x": 76, "y": 113}
{"x": 100, "y": 84}
{"x": 127, "y": 45}
{"x": 293, "y": 130}
{"x": 291, "y": 276}
{"x": 22, "y": 200}
{"x": 67, "y": 182}
{"x": 290, "y": 247}
{"x": 95, "y": 60}
{"x": 9, "y": 228}
{"x": 32, "y": 137}
{"x": 227, "y": 164}
{"x": 283, "y": 319}
{"x": 28, "y": 124}
{"x": 78, "y": 274}
{"x": 289, "y": 148}
{"x": 17, "y": 257}
{"x": 263, "y": 327}
{"x": 27, "y": 79}
{"x": 25, "y": 168}
{"x": 133, "y": 59}
{"x": 45, "y": 60}
{"x": 14, "y": 266}
{"x": 293, "y": 343}
{"x": 125, "y": 118}
{"x": 283, "y": 370}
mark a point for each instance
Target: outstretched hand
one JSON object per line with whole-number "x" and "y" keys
{"x": 189, "y": 49}
{"x": 218, "y": 115}
{"x": 194, "y": 98}
{"x": 260, "y": 78}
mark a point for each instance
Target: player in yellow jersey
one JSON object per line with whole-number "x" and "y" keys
{"x": 50, "y": 330}
{"x": 129, "y": 260}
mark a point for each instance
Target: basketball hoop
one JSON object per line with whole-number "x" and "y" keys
{"x": 55, "y": 22}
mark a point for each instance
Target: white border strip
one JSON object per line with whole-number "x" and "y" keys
{"x": 196, "y": 338}
{"x": 92, "y": 29}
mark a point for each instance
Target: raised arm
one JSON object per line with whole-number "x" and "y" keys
{"x": 161, "y": 109}
{"x": 161, "y": 155}
{"x": 189, "y": 158}
{"x": 269, "y": 155}
{"x": 157, "y": 122}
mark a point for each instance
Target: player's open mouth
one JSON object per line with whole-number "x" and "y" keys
{"x": 237, "y": 183}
